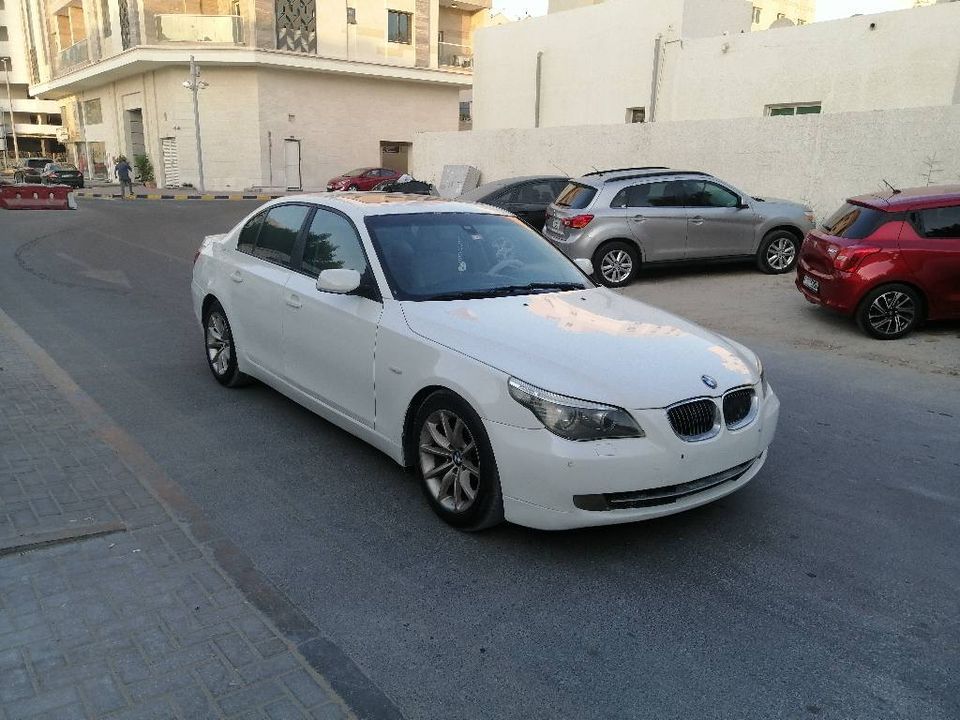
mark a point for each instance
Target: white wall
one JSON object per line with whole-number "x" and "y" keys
{"x": 819, "y": 159}
{"x": 910, "y": 59}
{"x": 596, "y": 63}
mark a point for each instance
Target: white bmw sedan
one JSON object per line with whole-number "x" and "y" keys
{"x": 459, "y": 342}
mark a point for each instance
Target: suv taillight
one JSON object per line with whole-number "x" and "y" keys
{"x": 577, "y": 222}
{"x": 850, "y": 257}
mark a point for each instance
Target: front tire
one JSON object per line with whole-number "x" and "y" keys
{"x": 616, "y": 263}
{"x": 352, "y": 188}
{"x": 221, "y": 348}
{"x": 455, "y": 463}
{"x": 778, "y": 252}
{"x": 890, "y": 311}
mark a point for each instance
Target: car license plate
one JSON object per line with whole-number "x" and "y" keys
{"x": 811, "y": 284}
{"x": 556, "y": 225}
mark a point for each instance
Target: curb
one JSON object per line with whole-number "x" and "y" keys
{"x": 166, "y": 196}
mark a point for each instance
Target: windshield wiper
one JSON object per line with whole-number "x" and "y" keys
{"x": 508, "y": 290}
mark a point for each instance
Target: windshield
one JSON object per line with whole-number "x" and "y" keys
{"x": 450, "y": 256}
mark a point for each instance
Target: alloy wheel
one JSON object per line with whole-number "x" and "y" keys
{"x": 616, "y": 266}
{"x": 781, "y": 253}
{"x": 219, "y": 343}
{"x": 891, "y": 312}
{"x": 449, "y": 461}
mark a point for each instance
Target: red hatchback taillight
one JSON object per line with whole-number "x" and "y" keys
{"x": 577, "y": 222}
{"x": 848, "y": 258}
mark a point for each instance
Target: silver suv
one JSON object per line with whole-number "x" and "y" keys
{"x": 622, "y": 218}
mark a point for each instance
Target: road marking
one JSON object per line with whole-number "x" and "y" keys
{"x": 113, "y": 277}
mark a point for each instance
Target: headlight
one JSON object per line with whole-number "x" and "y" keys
{"x": 764, "y": 388}
{"x": 574, "y": 419}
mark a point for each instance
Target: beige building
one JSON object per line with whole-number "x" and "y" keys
{"x": 676, "y": 60}
{"x": 293, "y": 91}
{"x": 796, "y": 12}
{"x": 34, "y": 122}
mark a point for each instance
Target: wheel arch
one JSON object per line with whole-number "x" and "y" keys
{"x": 628, "y": 240}
{"x": 208, "y": 300}
{"x": 792, "y": 229}
{"x": 407, "y": 439}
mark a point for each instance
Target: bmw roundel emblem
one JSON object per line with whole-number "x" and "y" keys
{"x": 709, "y": 382}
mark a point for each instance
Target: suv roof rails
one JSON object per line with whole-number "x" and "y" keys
{"x": 605, "y": 172}
{"x": 657, "y": 174}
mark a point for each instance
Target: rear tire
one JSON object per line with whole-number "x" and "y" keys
{"x": 221, "y": 350}
{"x": 778, "y": 252}
{"x": 890, "y": 311}
{"x": 455, "y": 463}
{"x": 352, "y": 188}
{"x": 616, "y": 263}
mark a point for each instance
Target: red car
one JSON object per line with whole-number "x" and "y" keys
{"x": 362, "y": 179}
{"x": 891, "y": 260}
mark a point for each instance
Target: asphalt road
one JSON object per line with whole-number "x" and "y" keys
{"x": 829, "y": 587}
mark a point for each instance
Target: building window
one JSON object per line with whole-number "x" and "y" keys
{"x": 92, "y": 114}
{"x": 756, "y": 14}
{"x": 636, "y": 115}
{"x": 399, "y": 25}
{"x": 3, "y": 33}
{"x": 796, "y": 109}
{"x": 465, "y": 108}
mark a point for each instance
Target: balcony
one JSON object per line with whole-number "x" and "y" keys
{"x": 225, "y": 29}
{"x": 455, "y": 57}
{"x": 76, "y": 54}
{"x": 36, "y": 131}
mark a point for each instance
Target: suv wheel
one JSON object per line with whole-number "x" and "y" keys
{"x": 778, "y": 252}
{"x": 616, "y": 263}
{"x": 889, "y": 312}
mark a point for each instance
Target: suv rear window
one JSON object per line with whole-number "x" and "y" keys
{"x": 855, "y": 222}
{"x": 576, "y": 196}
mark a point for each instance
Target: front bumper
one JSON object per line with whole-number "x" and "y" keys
{"x": 542, "y": 474}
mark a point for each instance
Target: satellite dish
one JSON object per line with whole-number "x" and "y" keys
{"x": 782, "y": 23}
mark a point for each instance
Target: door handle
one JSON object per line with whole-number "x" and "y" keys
{"x": 697, "y": 220}
{"x": 294, "y": 302}
{"x": 236, "y": 276}
{"x": 639, "y": 218}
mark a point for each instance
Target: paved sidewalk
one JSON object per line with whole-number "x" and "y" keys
{"x": 139, "y": 622}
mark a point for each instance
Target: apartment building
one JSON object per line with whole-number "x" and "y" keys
{"x": 621, "y": 61}
{"x": 293, "y": 91}
{"x": 34, "y": 123}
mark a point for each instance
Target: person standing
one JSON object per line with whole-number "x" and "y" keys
{"x": 122, "y": 171}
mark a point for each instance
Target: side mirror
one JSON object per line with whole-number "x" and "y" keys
{"x": 742, "y": 204}
{"x": 341, "y": 282}
{"x": 585, "y": 265}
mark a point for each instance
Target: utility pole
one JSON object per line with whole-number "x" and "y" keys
{"x": 195, "y": 85}
{"x": 13, "y": 126}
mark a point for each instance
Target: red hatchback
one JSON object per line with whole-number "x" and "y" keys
{"x": 362, "y": 179}
{"x": 891, "y": 260}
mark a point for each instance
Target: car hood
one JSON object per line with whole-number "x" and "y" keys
{"x": 592, "y": 344}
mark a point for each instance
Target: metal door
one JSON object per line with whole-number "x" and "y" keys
{"x": 171, "y": 162}
{"x": 721, "y": 223}
{"x": 291, "y": 162}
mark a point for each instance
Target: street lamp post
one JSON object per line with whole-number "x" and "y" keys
{"x": 195, "y": 85}
{"x": 13, "y": 126}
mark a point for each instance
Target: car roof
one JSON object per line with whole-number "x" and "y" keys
{"x": 915, "y": 198}
{"x": 499, "y": 185}
{"x": 367, "y": 204}
{"x": 597, "y": 180}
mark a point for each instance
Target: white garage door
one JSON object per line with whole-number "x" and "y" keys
{"x": 171, "y": 162}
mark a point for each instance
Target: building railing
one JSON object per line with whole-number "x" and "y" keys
{"x": 76, "y": 54}
{"x": 200, "y": 28}
{"x": 452, "y": 55}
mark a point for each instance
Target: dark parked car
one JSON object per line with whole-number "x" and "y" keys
{"x": 62, "y": 174}
{"x": 30, "y": 170}
{"x": 891, "y": 260}
{"x": 362, "y": 179}
{"x": 525, "y": 197}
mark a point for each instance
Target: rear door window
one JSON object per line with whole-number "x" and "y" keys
{"x": 940, "y": 222}
{"x": 855, "y": 222}
{"x": 576, "y": 196}
{"x": 535, "y": 193}
{"x": 656, "y": 194}
{"x": 279, "y": 233}
{"x": 248, "y": 235}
